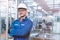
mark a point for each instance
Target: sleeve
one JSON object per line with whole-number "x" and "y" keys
{"x": 12, "y": 30}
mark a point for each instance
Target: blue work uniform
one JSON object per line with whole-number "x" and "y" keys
{"x": 21, "y": 30}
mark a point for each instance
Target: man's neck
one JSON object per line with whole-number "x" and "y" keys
{"x": 21, "y": 18}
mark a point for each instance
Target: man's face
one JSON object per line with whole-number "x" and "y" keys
{"x": 22, "y": 12}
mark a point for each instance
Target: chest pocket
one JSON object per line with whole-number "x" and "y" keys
{"x": 16, "y": 25}
{"x": 22, "y": 25}
{"x": 19, "y": 25}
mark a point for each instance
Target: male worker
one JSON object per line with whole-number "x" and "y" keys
{"x": 20, "y": 28}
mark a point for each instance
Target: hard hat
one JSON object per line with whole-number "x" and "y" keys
{"x": 22, "y": 5}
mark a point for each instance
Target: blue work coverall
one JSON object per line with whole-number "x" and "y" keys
{"x": 21, "y": 30}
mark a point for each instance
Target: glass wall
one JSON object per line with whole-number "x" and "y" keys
{"x": 8, "y": 13}
{"x": 3, "y": 17}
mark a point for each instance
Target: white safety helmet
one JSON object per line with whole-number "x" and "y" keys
{"x": 22, "y": 5}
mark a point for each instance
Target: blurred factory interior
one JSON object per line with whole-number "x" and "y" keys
{"x": 45, "y": 15}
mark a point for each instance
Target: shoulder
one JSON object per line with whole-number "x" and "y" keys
{"x": 29, "y": 21}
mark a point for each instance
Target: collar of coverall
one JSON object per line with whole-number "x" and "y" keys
{"x": 24, "y": 18}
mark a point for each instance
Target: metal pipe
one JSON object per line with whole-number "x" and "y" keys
{"x": 0, "y": 24}
{"x": 7, "y": 22}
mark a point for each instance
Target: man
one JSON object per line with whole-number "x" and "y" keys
{"x": 20, "y": 28}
